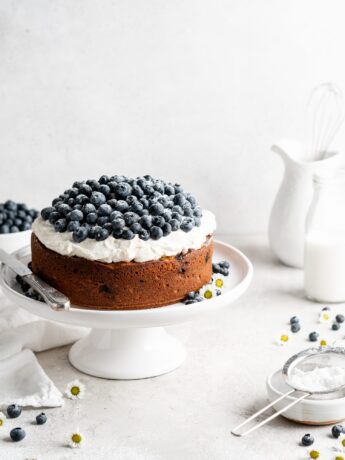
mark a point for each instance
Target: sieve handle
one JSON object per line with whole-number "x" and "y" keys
{"x": 271, "y": 417}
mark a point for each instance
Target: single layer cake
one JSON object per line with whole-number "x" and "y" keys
{"x": 121, "y": 243}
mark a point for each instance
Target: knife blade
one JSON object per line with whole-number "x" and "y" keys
{"x": 54, "y": 298}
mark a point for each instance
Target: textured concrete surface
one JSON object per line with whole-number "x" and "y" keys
{"x": 188, "y": 413}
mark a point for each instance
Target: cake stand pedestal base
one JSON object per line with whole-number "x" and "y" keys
{"x": 125, "y": 354}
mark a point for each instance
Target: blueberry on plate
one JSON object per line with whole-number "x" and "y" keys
{"x": 14, "y": 411}
{"x": 17, "y": 434}
{"x": 337, "y": 430}
{"x": 41, "y": 419}
{"x": 307, "y": 440}
{"x": 340, "y": 318}
{"x": 294, "y": 319}
{"x": 313, "y": 336}
{"x": 295, "y": 327}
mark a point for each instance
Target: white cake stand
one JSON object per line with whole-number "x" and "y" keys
{"x": 132, "y": 344}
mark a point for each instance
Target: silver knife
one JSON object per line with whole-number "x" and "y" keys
{"x": 51, "y": 296}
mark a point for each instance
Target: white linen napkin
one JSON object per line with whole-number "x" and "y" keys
{"x": 22, "y": 379}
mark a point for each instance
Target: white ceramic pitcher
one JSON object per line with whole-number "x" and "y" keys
{"x": 288, "y": 215}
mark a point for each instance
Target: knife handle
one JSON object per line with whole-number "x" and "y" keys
{"x": 52, "y": 296}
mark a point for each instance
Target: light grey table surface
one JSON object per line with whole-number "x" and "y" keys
{"x": 188, "y": 414}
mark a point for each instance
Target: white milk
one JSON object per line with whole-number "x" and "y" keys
{"x": 324, "y": 266}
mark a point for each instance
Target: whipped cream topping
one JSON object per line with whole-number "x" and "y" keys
{"x": 118, "y": 250}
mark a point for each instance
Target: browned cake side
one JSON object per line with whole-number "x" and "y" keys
{"x": 124, "y": 285}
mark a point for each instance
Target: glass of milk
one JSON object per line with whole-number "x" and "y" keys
{"x": 324, "y": 249}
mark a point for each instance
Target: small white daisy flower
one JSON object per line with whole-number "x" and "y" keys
{"x": 218, "y": 281}
{"x": 75, "y": 390}
{"x": 325, "y": 316}
{"x": 2, "y": 419}
{"x": 340, "y": 446}
{"x": 207, "y": 292}
{"x": 282, "y": 340}
{"x": 76, "y": 439}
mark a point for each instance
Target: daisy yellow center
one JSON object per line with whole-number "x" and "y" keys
{"x": 323, "y": 343}
{"x": 75, "y": 391}
{"x": 326, "y": 316}
{"x": 314, "y": 454}
{"x": 219, "y": 283}
{"x": 339, "y": 457}
{"x": 343, "y": 442}
{"x": 76, "y": 438}
{"x": 1, "y": 422}
{"x": 208, "y": 295}
{"x": 284, "y": 338}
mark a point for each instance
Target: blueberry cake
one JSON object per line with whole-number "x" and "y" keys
{"x": 120, "y": 243}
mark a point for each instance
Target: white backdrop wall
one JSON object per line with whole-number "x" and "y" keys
{"x": 192, "y": 91}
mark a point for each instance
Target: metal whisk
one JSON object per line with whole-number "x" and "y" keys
{"x": 325, "y": 117}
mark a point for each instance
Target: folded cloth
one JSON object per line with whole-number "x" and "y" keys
{"x": 22, "y": 379}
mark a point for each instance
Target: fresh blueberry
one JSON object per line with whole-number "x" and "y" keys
{"x": 102, "y": 220}
{"x": 187, "y": 224}
{"x": 177, "y": 216}
{"x": 178, "y": 188}
{"x": 156, "y": 209}
{"x": 130, "y": 218}
{"x": 340, "y": 318}
{"x": 295, "y": 327}
{"x": 91, "y": 232}
{"x": 104, "y": 179}
{"x": 159, "y": 221}
{"x": 17, "y": 434}
{"x": 127, "y": 234}
{"x": 166, "y": 228}
{"x": 60, "y": 225}
{"x": 337, "y": 430}
{"x": 224, "y": 264}
{"x": 85, "y": 189}
{"x": 25, "y": 226}
{"x": 97, "y": 198}
{"x": 105, "y": 189}
{"x": 137, "y": 207}
{"x": 41, "y": 419}
{"x": 82, "y": 199}
{"x": 145, "y": 221}
{"x": 307, "y": 440}
{"x": 178, "y": 210}
{"x": 326, "y": 309}
{"x": 101, "y": 234}
{"x": 216, "y": 268}
{"x": 137, "y": 191}
{"x": 4, "y": 229}
{"x": 14, "y": 411}
{"x": 88, "y": 208}
{"x": 197, "y": 221}
{"x": 77, "y": 184}
{"x": 112, "y": 202}
{"x": 136, "y": 228}
{"x": 175, "y": 224}
{"x": 45, "y": 213}
{"x": 313, "y": 336}
{"x": 294, "y": 319}
{"x": 77, "y": 215}
{"x": 104, "y": 210}
{"x": 144, "y": 235}
{"x": 93, "y": 184}
{"x": 144, "y": 202}
{"x": 122, "y": 206}
{"x": 197, "y": 212}
{"x": 91, "y": 218}
{"x": 11, "y": 205}
{"x": 53, "y": 217}
{"x": 179, "y": 199}
{"x": 118, "y": 224}
{"x": 14, "y": 229}
{"x": 80, "y": 234}
{"x": 123, "y": 190}
{"x": 169, "y": 189}
{"x": 73, "y": 225}
{"x": 115, "y": 215}
{"x": 156, "y": 233}
{"x": 335, "y": 326}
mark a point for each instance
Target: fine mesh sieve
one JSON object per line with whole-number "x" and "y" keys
{"x": 305, "y": 361}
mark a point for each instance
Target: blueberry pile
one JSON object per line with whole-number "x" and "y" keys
{"x": 16, "y": 217}
{"x": 123, "y": 208}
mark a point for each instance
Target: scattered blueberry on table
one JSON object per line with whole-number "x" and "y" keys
{"x": 340, "y": 318}
{"x": 313, "y": 336}
{"x": 41, "y": 419}
{"x": 17, "y": 434}
{"x": 124, "y": 208}
{"x": 337, "y": 430}
{"x": 294, "y": 319}
{"x": 14, "y": 411}
{"x": 295, "y": 327}
{"x": 335, "y": 326}
{"x": 16, "y": 217}
{"x": 307, "y": 440}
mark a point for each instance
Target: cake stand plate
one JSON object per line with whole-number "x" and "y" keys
{"x": 132, "y": 344}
